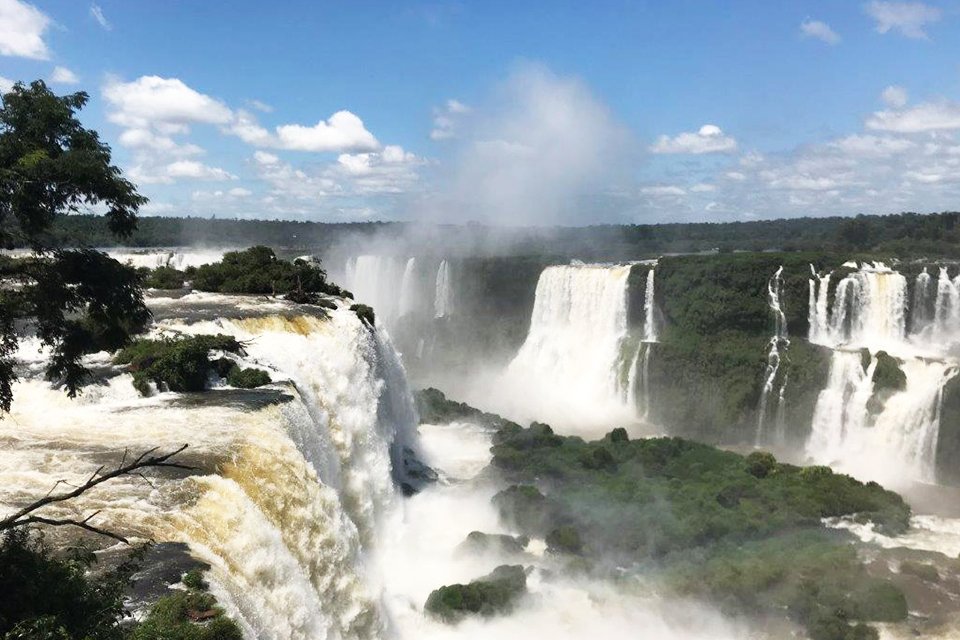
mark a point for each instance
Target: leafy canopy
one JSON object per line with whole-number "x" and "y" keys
{"x": 79, "y": 300}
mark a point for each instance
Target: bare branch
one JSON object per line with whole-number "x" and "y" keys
{"x": 25, "y": 515}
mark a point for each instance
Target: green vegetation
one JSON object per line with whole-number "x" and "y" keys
{"x": 888, "y": 374}
{"x": 258, "y": 270}
{"x": 479, "y": 542}
{"x": 365, "y": 313}
{"x": 907, "y": 234}
{"x": 163, "y": 278}
{"x": 435, "y": 408}
{"x": 184, "y": 364}
{"x": 742, "y": 531}
{"x": 490, "y": 595}
{"x": 48, "y": 597}
{"x": 79, "y": 300}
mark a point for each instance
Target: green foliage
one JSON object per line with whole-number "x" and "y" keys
{"x": 247, "y": 378}
{"x": 365, "y": 313}
{"x": 193, "y": 579}
{"x": 79, "y": 300}
{"x": 181, "y": 364}
{"x": 164, "y": 278}
{"x": 435, "y": 408}
{"x": 187, "y": 615}
{"x": 564, "y": 539}
{"x": 888, "y": 374}
{"x": 46, "y": 597}
{"x": 490, "y": 595}
{"x": 258, "y": 270}
{"x": 743, "y": 531}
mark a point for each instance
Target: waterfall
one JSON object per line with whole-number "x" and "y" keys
{"x": 295, "y": 479}
{"x": 887, "y": 435}
{"x": 408, "y": 288}
{"x": 443, "y": 301}
{"x": 922, "y": 298}
{"x": 818, "y": 306}
{"x": 567, "y": 372}
{"x": 176, "y": 258}
{"x": 649, "y": 309}
{"x": 778, "y": 340}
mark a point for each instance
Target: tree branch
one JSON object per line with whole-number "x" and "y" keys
{"x": 25, "y": 515}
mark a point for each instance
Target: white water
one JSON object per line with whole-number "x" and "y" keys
{"x": 638, "y": 379}
{"x": 443, "y": 300}
{"x": 566, "y": 372}
{"x": 408, "y": 288}
{"x": 897, "y": 441}
{"x": 777, "y": 341}
{"x": 176, "y": 258}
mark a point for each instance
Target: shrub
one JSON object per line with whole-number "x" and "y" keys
{"x": 492, "y": 594}
{"x": 247, "y": 378}
{"x": 164, "y": 278}
{"x": 181, "y": 364}
{"x": 564, "y": 540}
{"x": 258, "y": 270}
{"x": 760, "y": 464}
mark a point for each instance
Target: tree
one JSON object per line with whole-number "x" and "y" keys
{"x": 76, "y": 300}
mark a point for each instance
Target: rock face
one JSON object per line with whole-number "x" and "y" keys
{"x": 493, "y": 594}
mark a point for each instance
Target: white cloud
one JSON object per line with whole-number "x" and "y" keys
{"x": 166, "y": 104}
{"x": 736, "y": 175}
{"x": 180, "y": 169}
{"x": 703, "y": 188}
{"x": 392, "y": 170}
{"x": 341, "y": 132}
{"x": 663, "y": 190}
{"x": 819, "y": 30}
{"x": 21, "y": 30}
{"x": 6, "y": 84}
{"x": 240, "y": 192}
{"x": 264, "y": 158}
{"x": 895, "y": 96}
{"x": 709, "y": 139}
{"x": 909, "y": 18}
{"x": 97, "y": 13}
{"x": 871, "y": 146}
{"x": 146, "y": 140}
{"x": 445, "y": 119}
{"x": 260, "y": 106}
{"x": 926, "y": 117}
{"x": 62, "y": 75}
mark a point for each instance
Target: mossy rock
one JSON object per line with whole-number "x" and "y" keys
{"x": 493, "y": 594}
{"x": 922, "y": 570}
{"x": 480, "y": 542}
{"x": 365, "y": 313}
{"x": 888, "y": 374}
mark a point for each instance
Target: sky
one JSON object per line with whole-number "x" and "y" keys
{"x": 511, "y": 112}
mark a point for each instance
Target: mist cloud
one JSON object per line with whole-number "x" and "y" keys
{"x": 533, "y": 154}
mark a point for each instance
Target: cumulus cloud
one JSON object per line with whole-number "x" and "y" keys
{"x": 931, "y": 116}
{"x": 908, "y": 18}
{"x": 149, "y": 141}
{"x": 663, "y": 190}
{"x": 5, "y": 84}
{"x": 871, "y": 146}
{"x": 62, "y": 75}
{"x": 392, "y": 170}
{"x": 180, "y": 169}
{"x": 445, "y": 119}
{"x": 341, "y": 132}
{"x": 165, "y": 104}
{"x": 895, "y": 96}
{"x": 22, "y": 26}
{"x": 709, "y": 139}
{"x": 97, "y": 14}
{"x": 818, "y": 30}
{"x": 532, "y": 152}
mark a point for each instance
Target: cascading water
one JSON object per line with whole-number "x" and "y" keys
{"x": 778, "y": 341}
{"x": 296, "y": 477}
{"x": 889, "y": 435}
{"x": 640, "y": 365}
{"x": 408, "y": 288}
{"x": 567, "y": 371}
{"x": 443, "y": 301}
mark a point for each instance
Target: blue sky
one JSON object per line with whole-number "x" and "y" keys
{"x": 521, "y": 113}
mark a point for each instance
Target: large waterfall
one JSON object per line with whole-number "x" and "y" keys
{"x": 296, "y": 478}
{"x": 567, "y": 371}
{"x": 886, "y": 434}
